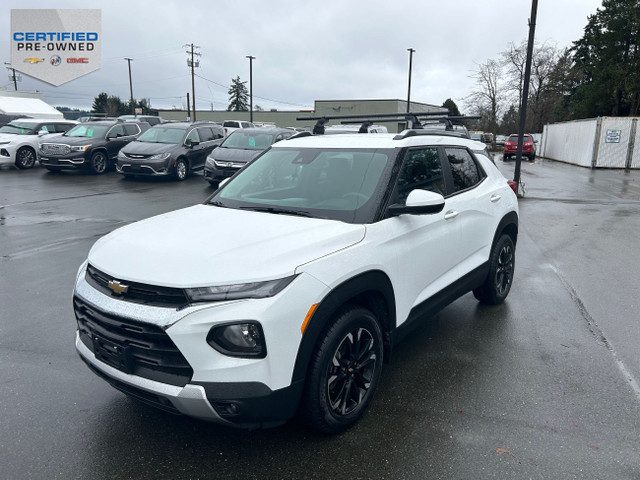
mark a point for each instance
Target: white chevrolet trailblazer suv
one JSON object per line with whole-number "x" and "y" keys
{"x": 292, "y": 283}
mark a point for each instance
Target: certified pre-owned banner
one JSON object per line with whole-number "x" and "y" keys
{"x": 56, "y": 46}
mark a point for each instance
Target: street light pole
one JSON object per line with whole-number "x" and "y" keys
{"x": 133, "y": 108}
{"x": 251, "y": 59}
{"x": 410, "y": 50}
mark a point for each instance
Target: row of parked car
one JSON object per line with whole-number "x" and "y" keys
{"x": 134, "y": 148}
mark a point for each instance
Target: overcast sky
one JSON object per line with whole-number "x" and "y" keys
{"x": 305, "y": 50}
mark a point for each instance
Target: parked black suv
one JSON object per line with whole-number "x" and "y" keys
{"x": 170, "y": 149}
{"x": 92, "y": 145}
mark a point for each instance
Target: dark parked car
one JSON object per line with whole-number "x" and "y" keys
{"x": 91, "y": 145}
{"x": 152, "y": 120}
{"x": 240, "y": 147}
{"x": 170, "y": 149}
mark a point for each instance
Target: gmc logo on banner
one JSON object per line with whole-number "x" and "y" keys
{"x": 77, "y": 60}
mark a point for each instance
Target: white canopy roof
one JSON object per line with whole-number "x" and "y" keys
{"x": 30, "y": 107}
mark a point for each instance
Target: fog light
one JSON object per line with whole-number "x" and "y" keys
{"x": 245, "y": 339}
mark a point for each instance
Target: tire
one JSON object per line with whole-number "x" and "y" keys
{"x": 181, "y": 170}
{"x": 98, "y": 163}
{"x": 502, "y": 264}
{"x": 344, "y": 371}
{"x": 25, "y": 158}
{"x": 505, "y": 158}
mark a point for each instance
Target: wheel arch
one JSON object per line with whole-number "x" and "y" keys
{"x": 509, "y": 225}
{"x": 372, "y": 290}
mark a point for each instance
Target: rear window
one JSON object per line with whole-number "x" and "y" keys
{"x": 231, "y": 124}
{"x": 514, "y": 138}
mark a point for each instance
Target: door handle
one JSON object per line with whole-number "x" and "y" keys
{"x": 495, "y": 197}
{"x": 451, "y": 214}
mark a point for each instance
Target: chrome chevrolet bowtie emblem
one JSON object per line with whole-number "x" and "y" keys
{"x": 117, "y": 287}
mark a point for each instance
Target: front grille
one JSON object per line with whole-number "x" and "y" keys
{"x": 55, "y": 149}
{"x": 152, "y": 295}
{"x": 132, "y": 347}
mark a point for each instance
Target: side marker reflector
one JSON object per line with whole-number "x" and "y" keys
{"x": 308, "y": 317}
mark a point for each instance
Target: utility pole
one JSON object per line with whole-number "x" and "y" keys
{"x": 133, "y": 108}
{"x": 525, "y": 90}
{"x": 14, "y": 78}
{"x": 251, "y": 59}
{"x": 193, "y": 63}
{"x": 411, "y": 51}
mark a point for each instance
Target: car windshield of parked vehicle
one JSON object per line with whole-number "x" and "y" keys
{"x": 162, "y": 135}
{"x": 19, "y": 128}
{"x": 248, "y": 141}
{"x": 335, "y": 184}
{"x": 90, "y": 131}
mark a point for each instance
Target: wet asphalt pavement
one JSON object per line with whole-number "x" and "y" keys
{"x": 544, "y": 386}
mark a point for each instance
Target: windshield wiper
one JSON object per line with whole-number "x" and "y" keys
{"x": 277, "y": 211}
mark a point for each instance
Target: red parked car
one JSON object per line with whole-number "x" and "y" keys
{"x": 511, "y": 147}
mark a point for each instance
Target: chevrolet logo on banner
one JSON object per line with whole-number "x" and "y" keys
{"x": 33, "y": 60}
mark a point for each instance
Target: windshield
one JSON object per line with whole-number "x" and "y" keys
{"x": 162, "y": 135}
{"x": 335, "y": 184}
{"x": 248, "y": 141}
{"x": 19, "y": 128}
{"x": 90, "y": 131}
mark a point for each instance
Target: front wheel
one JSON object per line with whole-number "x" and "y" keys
{"x": 25, "y": 158}
{"x": 501, "y": 269}
{"x": 98, "y": 163}
{"x": 182, "y": 170}
{"x": 344, "y": 371}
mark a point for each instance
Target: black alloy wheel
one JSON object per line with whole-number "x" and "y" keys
{"x": 25, "y": 158}
{"x": 344, "y": 371}
{"x": 98, "y": 163}
{"x": 501, "y": 271}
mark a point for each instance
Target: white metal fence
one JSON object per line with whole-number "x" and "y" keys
{"x": 606, "y": 142}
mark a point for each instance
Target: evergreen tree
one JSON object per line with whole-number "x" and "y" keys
{"x": 608, "y": 57}
{"x": 238, "y": 96}
{"x": 452, "y": 107}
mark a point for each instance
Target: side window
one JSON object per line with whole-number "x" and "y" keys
{"x": 205, "y": 134}
{"x": 192, "y": 137}
{"x": 47, "y": 127}
{"x": 464, "y": 169}
{"x": 116, "y": 131}
{"x": 218, "y": 132}
{"x": 246, "y": 125}
{"x": 421, "y": 170}
{"x": 130, "y": 129}
{"x": 63, "y": 127}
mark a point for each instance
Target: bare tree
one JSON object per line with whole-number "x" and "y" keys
{"x": 486, "y": 99}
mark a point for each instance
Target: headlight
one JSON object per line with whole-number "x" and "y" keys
{"x": 243, "y": 339}
{"x": 238, "y": 291}
{"x": 79, "y": 148}
{"x": 160, "y": 156}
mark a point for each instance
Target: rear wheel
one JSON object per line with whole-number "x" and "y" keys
{"x": 98, "y": 163}
{"x": 25, "y": 158}
{"x": 501, "y": 269}
{"x": 344, "y": 371}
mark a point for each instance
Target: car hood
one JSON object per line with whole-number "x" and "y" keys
{"x": 148, "y": 148}
{"x": 205, "y": 245}
{"x": 63, "y": 140}
{"x": 223, "y": 154}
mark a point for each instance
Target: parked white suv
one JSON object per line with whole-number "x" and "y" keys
{"x": 295, "y": 279}
{"x": 19, "y": 139}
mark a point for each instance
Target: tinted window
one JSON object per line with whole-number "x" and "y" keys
{"x": 464, "y": 169}
{"x": 231, "y": 124}
{"x": 421, "y": 169}
{"x": 218, "y": 132}
{"x": 131, "y": 129}
{"x": 63, "y": 127}
{"x": 205, "y": 133}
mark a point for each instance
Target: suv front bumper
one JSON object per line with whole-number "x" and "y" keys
{"x": 243, "y": 392}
